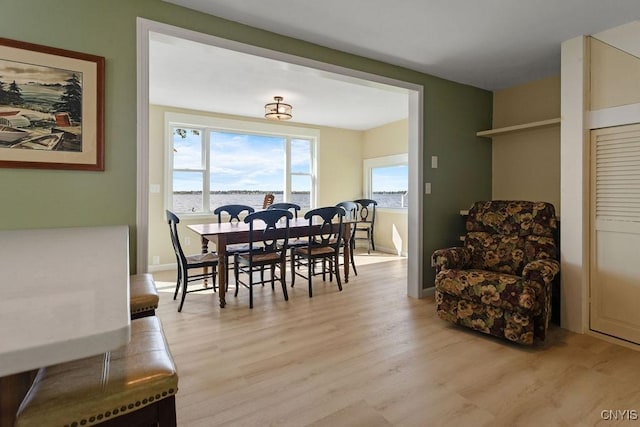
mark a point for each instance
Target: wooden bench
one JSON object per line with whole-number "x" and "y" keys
{"x": 143, "y": 295}
{"x": 133, "y": 385}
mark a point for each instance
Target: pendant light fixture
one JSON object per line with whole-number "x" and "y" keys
{"x": 277, "y": 110}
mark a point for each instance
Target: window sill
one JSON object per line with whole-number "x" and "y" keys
{"x": 392, "y": 210}
{"x": 185, "y": 216}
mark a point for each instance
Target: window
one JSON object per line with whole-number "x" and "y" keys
{"x": 301, "y": 178}
{"x": 235, "y": 162}
{"x": 386, "y": 180}
{"x": 188, "y": 170}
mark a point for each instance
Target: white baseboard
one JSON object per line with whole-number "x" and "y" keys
{"x": 162, "y": 267}
{"x": 386, "y": 250}
{"x": 429, "y": 292}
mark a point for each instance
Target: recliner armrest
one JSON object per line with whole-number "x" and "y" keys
{"x": 541, "y": 270}
{"x": 456, "y": 257}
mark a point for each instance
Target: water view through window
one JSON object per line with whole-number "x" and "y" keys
{"x": 219, "y": 168}
{"x": 390, "y": 186}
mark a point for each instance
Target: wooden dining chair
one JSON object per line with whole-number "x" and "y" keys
{"x": 268, "y": 242}
{"x": 351, "y": 214}
{"x": 294, "y": 209}
{"x": 366, "y": 222}
{"x": 234, "y": 212}
{"x": 186, "y": 263}
{"x": 323, "y": 244}
{"x": 268, "y": 200}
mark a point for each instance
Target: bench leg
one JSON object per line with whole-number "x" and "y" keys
{"x": 13, "y": 388}
{"x": 167, "y": 412}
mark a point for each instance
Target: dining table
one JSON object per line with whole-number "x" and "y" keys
{"x": 228, "y": 233}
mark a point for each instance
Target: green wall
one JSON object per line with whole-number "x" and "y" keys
{"x": 46, "y": 198}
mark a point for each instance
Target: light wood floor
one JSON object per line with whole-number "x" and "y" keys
{"x": 371, "y": 356}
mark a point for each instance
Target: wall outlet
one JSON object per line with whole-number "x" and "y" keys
{"x": 187, "y": 241}
{"x": 155, "y": 260}
{"x": 434, "y": 162}
{"x": 427, "y": 188}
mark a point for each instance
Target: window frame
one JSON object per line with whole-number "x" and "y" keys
{"x": 379, "y": 162}
{"x": 208, "y": 124}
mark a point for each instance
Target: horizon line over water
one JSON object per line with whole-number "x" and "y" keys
{"x": 188, "y": 201}
{"x": 268, "y": 191}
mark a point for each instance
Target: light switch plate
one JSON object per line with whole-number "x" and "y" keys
{"x": 154, "y": 188}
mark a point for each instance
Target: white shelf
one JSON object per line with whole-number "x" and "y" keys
{"x": 518, "y": 128}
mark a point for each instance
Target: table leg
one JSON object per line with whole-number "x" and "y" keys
{"x": 347, "y": 251}
{"x": 205, "y": 249}
{"x": 221, "y": 247}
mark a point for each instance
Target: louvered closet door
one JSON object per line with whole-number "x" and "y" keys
{"x": 615, "y": 232}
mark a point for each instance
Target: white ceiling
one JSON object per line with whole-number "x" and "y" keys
{"x": 490, "y": 44}
{"x": 188, "y": 74}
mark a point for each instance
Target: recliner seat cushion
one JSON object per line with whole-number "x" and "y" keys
{"x": 499, "y": 290}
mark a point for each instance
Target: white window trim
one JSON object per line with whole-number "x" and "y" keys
{"x": 378, "y": 162}
{"x": 172, "y": 120}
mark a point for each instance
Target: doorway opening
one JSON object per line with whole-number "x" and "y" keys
{"x": 414, "y": 95}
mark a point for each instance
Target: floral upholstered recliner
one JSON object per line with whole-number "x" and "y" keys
{"x": 499, "y": 282}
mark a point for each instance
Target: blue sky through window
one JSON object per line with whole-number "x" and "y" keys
{"x": 246, "y": 162}
{"x": 390, "y": 178}
{"x": 187, "y": 149}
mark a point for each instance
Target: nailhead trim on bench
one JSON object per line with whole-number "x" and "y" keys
{"x": 143, "y": 309}
{"x": 143, "y": 295}
{"x": 122, "y": 409}
{"x": 139, "y": 385}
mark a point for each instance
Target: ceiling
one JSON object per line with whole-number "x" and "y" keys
{"x": 193, "y": 75}
{"x": 492, "y": 44}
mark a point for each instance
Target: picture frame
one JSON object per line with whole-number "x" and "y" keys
{"x": 51, "y": 108}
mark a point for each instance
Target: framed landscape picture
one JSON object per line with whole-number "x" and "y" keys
{"x": 51, "y": 108}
